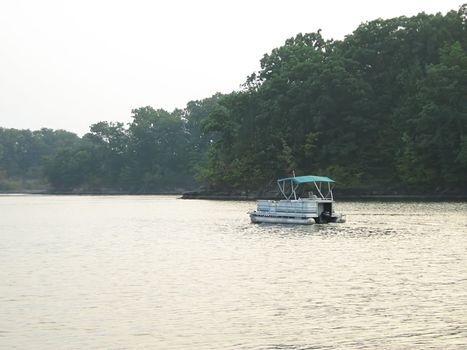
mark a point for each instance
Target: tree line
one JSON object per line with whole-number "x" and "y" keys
{"x": 385, "y": 109}
{"x": 23, "y": 154}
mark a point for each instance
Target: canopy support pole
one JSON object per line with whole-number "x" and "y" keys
{"x": 294, "y": 190}
{"x": 318, "y": 189}
{"x": 282, "y": 189}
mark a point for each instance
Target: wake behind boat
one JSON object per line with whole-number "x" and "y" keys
{"x": 315, "y": 208}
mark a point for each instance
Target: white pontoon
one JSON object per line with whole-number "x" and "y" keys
{"x": 316, "y": 207}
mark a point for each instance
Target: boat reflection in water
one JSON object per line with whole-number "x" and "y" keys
{"x": 317, "y": 207}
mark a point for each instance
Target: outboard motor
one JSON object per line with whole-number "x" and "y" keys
{"x": 325, "y": 217}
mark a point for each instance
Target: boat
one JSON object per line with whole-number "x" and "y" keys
{"x": 316, "y": 207}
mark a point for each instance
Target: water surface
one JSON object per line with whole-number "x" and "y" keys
{"x": 156, "y": 272}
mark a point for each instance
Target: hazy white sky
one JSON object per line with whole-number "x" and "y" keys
{"x": 68, "y": 64}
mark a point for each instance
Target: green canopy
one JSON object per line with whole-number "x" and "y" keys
{"x": 306, "y": 179}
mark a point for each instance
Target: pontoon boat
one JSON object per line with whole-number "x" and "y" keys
{"x": 316, "y": 207}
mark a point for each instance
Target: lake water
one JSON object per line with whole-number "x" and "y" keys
{"x": 156, "y": 272}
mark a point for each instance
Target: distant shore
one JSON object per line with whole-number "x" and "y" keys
{"x": 251, "y": 196}
{"x": 93, "y": 193}
{"x": 338, "y": 196}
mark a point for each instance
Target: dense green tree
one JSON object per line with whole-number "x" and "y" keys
{"x": 200, "y": 140}
{"x": 71, "y": 169}
{"x": 159, "y": 149}
{"x": 434, "y": 143}
{"x": 23, "y": 153}
{"x": 386, "y": 108}
{"x": 109, "y": 143}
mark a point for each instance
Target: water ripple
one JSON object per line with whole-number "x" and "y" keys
{"x": 159, "y": 273}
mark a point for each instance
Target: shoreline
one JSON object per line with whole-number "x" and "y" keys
{"x": 247, "y": 196}
{"x": 342, "y": 197}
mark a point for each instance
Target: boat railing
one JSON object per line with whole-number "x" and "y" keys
{"x": 288, "y": 206}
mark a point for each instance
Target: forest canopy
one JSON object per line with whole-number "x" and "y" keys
{"x": 385, "y": 109}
